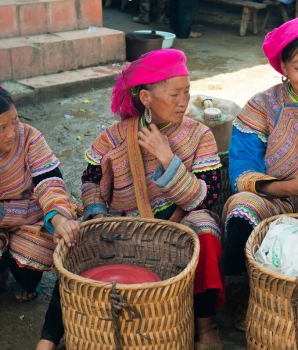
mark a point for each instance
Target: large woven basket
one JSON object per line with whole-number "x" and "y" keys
{"x": 272, "y": 309}
{"x": 151, "y": 316}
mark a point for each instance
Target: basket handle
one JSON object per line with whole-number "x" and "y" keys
{"x": 117, "y": 304}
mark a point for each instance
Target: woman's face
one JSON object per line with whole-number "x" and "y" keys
{"x": 290, "y": 69}
{"x": 168, "y": 100}
{"x": 8, "y": 129}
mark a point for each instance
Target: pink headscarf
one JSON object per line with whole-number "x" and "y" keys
{"x": 149, "y": 68}
{"x": 277, "y": 40}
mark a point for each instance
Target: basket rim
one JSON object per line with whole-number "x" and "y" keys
{"x": 253, "y": 264}
{"x": 108, "y": 285}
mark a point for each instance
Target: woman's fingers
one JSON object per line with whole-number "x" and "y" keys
{"x": 69, "y": 231}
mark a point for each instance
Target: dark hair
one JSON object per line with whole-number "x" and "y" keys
{"x": 5, "y": 100}
{"x": 289, "y": 51}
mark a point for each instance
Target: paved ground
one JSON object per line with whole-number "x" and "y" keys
{"x": 219, "y": 55}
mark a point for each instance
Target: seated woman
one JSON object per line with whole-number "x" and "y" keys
{"x": 34, "y": 207}
{"x": 156, "y": 162}
{"x": 263, "y": 154}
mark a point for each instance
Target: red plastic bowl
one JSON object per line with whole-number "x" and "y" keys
{"x": 121, "y": 273}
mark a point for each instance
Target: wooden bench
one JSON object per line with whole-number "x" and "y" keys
{"x": 250, "y": 10}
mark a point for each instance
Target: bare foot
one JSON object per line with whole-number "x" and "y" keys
{"x": 195, "y": 35}
{"x": 45, "y": 345}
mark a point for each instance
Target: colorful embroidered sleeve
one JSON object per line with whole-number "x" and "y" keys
{"x": 254, "y": 116}
{"x": 246, "y": 161}
{"x": 40, "y": 157}
{"x": 206, "y": 157}
{"x": 52, "y": 196}
{"x": 51, "y": 191}
{"x": 92, "y": 202}
{"x": 103, "y": 143}
{"x": 185, "y": 188}
{"x": 182, "y": 187}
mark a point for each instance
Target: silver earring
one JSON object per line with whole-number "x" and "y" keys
{"x": 148, "y": 115}
{"x": 285, "y": 80}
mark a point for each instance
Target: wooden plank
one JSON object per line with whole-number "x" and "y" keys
{"x": 242, "y": 3}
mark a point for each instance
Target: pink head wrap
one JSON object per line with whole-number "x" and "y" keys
{"x": 277, "y": 40}
{"x": 149, "y": 68}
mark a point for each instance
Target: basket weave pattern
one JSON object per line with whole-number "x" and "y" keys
{"x": 149, "y": 316}
{"x": 272, "y": 309}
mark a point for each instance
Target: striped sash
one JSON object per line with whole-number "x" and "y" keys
{"x": 137, "y": 169}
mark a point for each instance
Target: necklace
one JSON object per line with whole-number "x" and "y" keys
{"x": 159, "y": 126}
{"x": 293, "y": 95}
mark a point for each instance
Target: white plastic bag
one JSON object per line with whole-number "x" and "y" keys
{"x": 279, "y": 249}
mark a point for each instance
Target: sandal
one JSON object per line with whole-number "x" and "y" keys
{"x": 18, "y": 289}
{"x": 240, "y": 318}
{"x": 212, "y": 346}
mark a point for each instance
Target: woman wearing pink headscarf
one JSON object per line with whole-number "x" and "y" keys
{"x": 156, "y": 162}
{"x": 263, "y": 155}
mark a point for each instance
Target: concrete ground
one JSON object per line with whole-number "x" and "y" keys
{"x": 69, "y": 125}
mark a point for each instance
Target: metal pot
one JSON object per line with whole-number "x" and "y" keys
{"x": 139, "y": 43}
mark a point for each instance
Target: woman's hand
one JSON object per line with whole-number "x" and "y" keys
{"x": 156, "y": 144}
{"x": 66, "y": 229}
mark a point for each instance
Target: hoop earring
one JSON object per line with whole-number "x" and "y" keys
{"x": 148, "y": 115}
{"x": 285, "y": 80}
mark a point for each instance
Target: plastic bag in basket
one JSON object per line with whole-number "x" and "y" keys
{"x": 279, "y": 249}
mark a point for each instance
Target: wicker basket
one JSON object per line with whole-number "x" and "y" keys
{"x": 272, "y": 309}
{"x": 151, "y": 316}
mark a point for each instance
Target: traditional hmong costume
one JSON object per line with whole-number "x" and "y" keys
{"x": 263, "y": 147}
{"x": 186, "y": 190}
{"x": 32, "y": 191}
{"x": 124, "y": 178}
